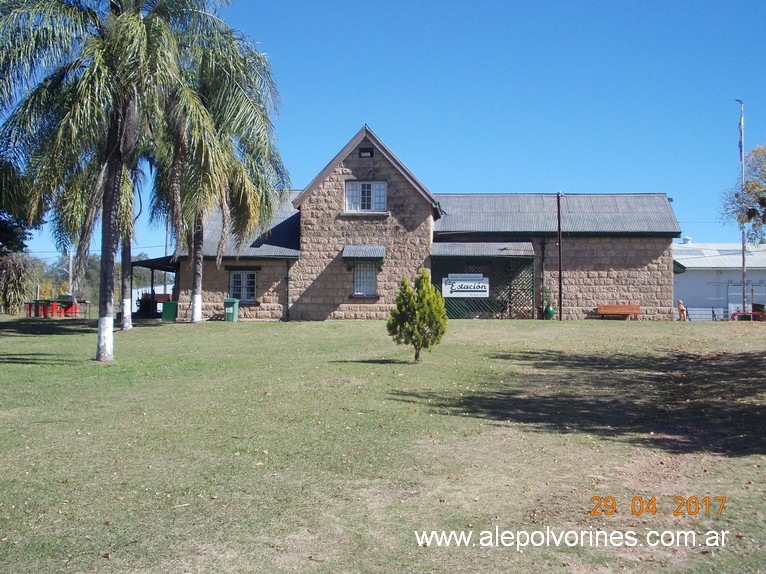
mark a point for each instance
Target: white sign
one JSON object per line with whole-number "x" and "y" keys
{"x": 475, "y": 286}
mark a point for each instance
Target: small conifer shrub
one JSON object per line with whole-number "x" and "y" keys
{"x": 419, "y": 317}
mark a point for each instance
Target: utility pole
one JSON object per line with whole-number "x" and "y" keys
{"x": 167, "y": 240}
{"x": 561, "y": 276}
{"x": 69, "y": 272}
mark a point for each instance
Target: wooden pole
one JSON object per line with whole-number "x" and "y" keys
{"x": 561, "y": 276}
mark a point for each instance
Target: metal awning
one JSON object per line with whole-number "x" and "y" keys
{"x": 364, "y": 252}
{"x": 459, "y": 249}
{"x": 158, "y": 264}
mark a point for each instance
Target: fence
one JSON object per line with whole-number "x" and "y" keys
{"x": 511, "y": 288}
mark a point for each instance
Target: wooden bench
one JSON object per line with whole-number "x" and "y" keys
{"x": 618, "y": 311}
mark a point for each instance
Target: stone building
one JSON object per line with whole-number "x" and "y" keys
{"x": 339, "y": 248}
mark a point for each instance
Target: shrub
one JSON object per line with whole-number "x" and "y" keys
{"x": 419, "y": 317}
{"x": 15, "y": 282}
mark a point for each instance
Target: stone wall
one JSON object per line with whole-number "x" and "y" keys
{"x": 620, "y": 270}
{"x": 270, "y": 290}
{"x": 322, "y": 283}
{"x": 596, "y": 270}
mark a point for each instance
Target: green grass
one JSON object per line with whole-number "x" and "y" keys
{"x": 320, "y": 447}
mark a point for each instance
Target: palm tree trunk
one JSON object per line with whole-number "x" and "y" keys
{"x": 117, "y": 144}
{"x": 197, "y": 271}
{"x": 109, "y": 243}
{"x": 121, "y": 145}
{"x": 127, "y": 285}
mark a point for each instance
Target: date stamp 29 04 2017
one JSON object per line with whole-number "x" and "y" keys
{"x": 638, "y": 505}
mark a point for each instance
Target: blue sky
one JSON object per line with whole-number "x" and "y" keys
{"x": 506, "y": 97}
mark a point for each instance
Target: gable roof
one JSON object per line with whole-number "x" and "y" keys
{"x": 718, "y": 255}
{"x": 361, "y": 135}
{"x": 625, "y": 214}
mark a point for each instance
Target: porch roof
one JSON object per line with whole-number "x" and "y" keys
{"x": 457, "y": 249}
{"x": 157, "y": 264}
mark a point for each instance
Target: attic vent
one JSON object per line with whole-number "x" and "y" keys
{"x": 365, "y": 152}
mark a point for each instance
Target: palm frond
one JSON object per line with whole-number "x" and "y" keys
{"x": 37, "y": 37}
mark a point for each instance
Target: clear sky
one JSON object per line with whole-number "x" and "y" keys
{"x": 506, "y": 97}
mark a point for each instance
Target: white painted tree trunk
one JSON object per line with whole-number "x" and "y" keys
{"x": 126, "y": 277}
{"x": 197, "y": 258}
{"x": 127, "y": 315}
{"x": 105, "y": 351}
{"x": 196, "y": 308}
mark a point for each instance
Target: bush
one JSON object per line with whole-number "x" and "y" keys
{"x": 419, "y": 317}
{"x": 15, "y": 282}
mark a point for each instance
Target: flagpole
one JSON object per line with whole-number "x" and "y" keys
{"x": 744, "y": 190}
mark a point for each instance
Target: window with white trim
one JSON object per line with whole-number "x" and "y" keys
{"x": 242, "y": 286}
{"x": 364, "y": 196}
{"x": 366, "y": 278}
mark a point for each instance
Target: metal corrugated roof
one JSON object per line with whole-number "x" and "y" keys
{"x": 480, "y": 213}
{"x": 648, "y": 213}
{"x": 719, "y": 255}
{"x": 457, "y": 249}
{"x": 364, "y": 252}
{"x": 278, "y": 240}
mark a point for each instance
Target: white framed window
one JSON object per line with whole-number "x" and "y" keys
{"x": 366, "y": 278}
{"x": 242, "y": 286}
{"x": 364, "y": 196}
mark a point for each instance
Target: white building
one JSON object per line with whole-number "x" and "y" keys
{"x": 709, "y": 278}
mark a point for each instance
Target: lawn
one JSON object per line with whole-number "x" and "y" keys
{"x": 320, "y": 447}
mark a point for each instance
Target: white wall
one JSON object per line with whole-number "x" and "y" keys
{"x": 705, "y": 289}
{"x": 141, "y": 290}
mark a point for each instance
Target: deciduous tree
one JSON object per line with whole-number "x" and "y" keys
{"x": 747, "y": 207}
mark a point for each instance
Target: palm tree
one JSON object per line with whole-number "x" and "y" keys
{"x": 244, "y": 177}
{"x": 81, "y": 82}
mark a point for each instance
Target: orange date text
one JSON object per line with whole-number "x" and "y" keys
{"x": 638, "y": 505}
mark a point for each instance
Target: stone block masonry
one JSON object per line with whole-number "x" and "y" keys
{"x": 269, "y": 284}
{"x": 322, "y": 283}
{"x": 617, "y": 270}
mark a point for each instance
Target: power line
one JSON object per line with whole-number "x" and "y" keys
{"x": 98, "y": 251}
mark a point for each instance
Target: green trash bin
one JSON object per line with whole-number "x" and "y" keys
{"x": 230, "y": 310}
{"x": 169, "y": 310}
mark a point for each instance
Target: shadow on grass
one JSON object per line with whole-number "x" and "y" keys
{"x": 44, "y": 359}
{"x": 375, "y": 361}
{"x": 29, "y": 327}
{"x": 48, "y": 326}
{"x": 680, "y": 404}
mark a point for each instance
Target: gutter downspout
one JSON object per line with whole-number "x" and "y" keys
{"x": 287, "y": 290}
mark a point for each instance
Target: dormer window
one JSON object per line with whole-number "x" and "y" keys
{"x": 364, "y": 196}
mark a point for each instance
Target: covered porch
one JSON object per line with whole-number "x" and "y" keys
{"x": 485, "y": 280}
{"x": 149, "y": 301}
